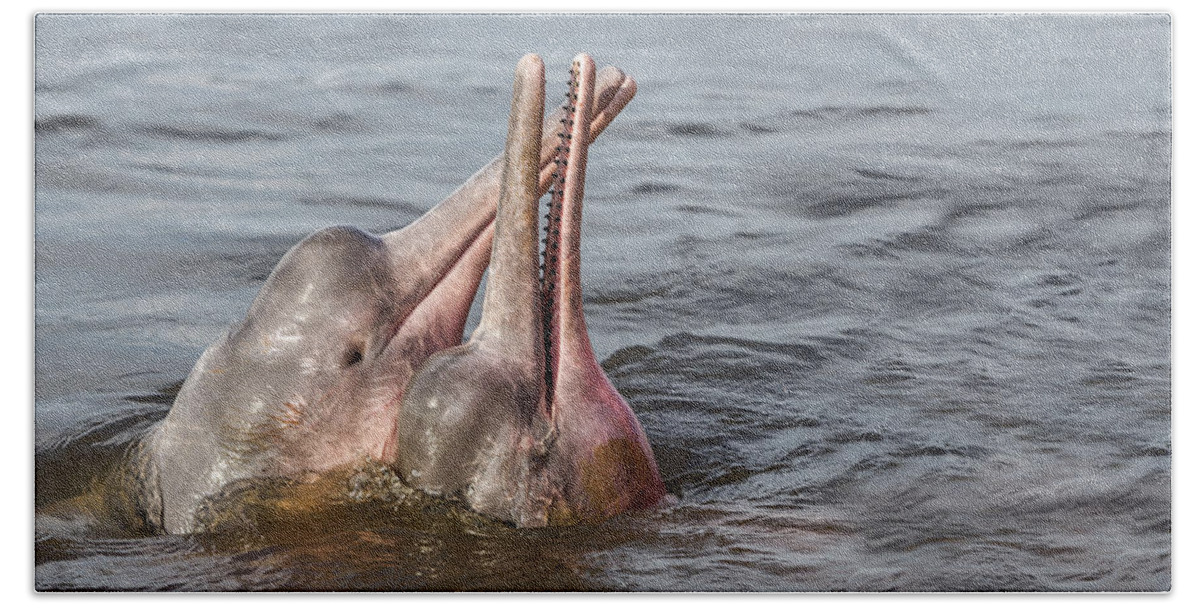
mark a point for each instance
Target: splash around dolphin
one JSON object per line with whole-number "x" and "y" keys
{"x": 315, "y": 377}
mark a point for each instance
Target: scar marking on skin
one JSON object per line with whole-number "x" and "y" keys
{"x": 309, "y": 366}
{"x": 290, "y": 416}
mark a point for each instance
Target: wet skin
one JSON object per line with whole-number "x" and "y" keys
{"x": 521, "y": 423}
{"x": 312, "y": 379}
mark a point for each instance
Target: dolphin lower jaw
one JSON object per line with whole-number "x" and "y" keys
{"x": 611, "y": 465}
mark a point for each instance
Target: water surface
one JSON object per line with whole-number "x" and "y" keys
{"x": 890, "y": 294}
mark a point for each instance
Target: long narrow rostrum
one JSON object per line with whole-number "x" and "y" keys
{"x": 513, "y": 272}
{"x": 550, "y": 275}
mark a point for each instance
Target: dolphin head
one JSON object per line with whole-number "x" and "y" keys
{"x": 521, "y": 422}
{"x": 313, "y": 377}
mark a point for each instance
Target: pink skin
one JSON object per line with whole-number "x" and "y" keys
{"x": 521, "y": 422}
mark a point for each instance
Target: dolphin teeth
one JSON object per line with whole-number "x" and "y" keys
{"x": 549, "y": 275}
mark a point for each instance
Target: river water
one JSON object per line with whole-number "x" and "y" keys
{"x": 890, "y": 294}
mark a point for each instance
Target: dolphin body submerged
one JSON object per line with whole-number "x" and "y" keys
{"x": 352, "y": 350}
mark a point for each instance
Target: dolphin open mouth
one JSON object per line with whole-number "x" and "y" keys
{"x": 561, "y": 245}
{"x": 521, "y": 422}
{"x": 457, "y": 235}
{"x": 454, "y": 239}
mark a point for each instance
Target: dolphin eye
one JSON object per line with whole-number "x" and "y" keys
{"x": 353, "y": 355}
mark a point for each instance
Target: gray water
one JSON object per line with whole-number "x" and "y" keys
{"x": 890, "y": 294}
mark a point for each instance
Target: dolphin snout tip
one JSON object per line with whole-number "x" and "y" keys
{"x": 610, "y": 73}
{"x": 531, "y": 61}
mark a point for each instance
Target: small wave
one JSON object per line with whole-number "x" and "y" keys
{"x": 757, "y": 128}
{"x": 252, "y": 265}
{"x": 339, "y": 122}
{"x": 361, "y": 201}
{"x": 1059, "y": 280}
{"x": 696, "y": 129}
{"x": 393, "y": 87}
{"x": 801, "y": 353}
{"x": 840, "y": 206}
{"x": 66, "y": 122}
{"x": 1162, "y": 135}
{"x": 848, "y": 437}
{"x": 754, "y": 235}
{"x": 79, "y": 455}
{"x": 1147, "y": 451}
{"x": 874, "y": 249}
{"x": 923, "y": 450}
{"x": 737, "y": 474}
{"x": 163, "y": 396}
{"x": 212, "y": 134}
{"x": 376, "y": 84}
{"x": 924, "y": 240}
{"x": 858, "y": 112}
{"x": 1021, "y": 145}
{"x": 706, "y": 210}
{"x": 627, "y": 356}
{"x": 653, "y": 188}
{"x": 1111, "y": 373}
{"x": 663, "y": 130}
{"x": 883, "y": 175}
{"x": 1110, "y": 211}
{"x": 626, "y": 296}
